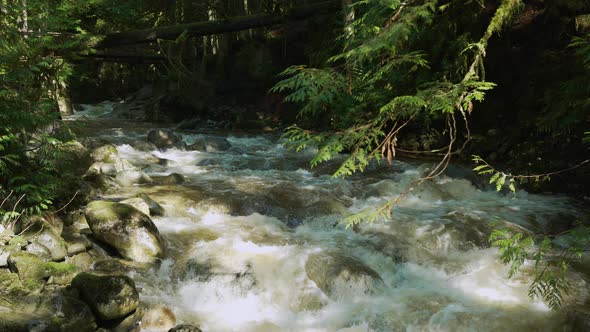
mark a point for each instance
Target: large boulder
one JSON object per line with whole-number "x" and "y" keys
{"x": 129, "y": 231}
{"x": 109, "y": 297}
{"x": 338, "y": 276}
{"x": 165, "y": 139}
{"x": 210, "y": 144}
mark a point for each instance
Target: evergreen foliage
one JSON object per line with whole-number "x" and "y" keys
{"x": 550, "y": 261}
{"x": 35, "y": 40}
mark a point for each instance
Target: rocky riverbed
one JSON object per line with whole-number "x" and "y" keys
{"x": 183, "y": 230}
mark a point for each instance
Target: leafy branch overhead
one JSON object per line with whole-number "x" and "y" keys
{"x": 375, "y": 88}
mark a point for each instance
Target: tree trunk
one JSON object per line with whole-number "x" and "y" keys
{"x": 220, "y": 26}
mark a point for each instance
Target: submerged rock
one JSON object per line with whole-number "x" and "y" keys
{"x": 165, "y": 139}
{"x": 185, "y": 328}
{"x": 170, "y": 179}
{"x": 129, "y": 231}
{"x": 210, "y": 144}
{"x": 109, "y": 297}
{"x": 338, "y": 275}
{"x": 157, "y": 318}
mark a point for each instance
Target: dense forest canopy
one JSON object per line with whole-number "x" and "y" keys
{"x": 505, "y": 80}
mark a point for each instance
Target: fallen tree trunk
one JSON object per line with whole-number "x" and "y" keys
{"x": 216, "y": 27}
{"x": 124, "y": 57}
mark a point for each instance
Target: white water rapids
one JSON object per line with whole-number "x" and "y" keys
{"x": 242, "y": 227}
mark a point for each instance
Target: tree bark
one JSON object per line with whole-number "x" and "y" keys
{"x": 216, "y": 27}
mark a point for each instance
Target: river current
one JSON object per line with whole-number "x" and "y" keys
{"x": 243, "y": 226}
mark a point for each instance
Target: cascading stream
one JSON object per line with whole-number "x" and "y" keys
{"x": 255, "y": 243}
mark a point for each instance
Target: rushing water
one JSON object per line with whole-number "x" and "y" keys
{"x": 243, "y": 226}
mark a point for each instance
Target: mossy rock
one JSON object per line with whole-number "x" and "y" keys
{"x": 27, "y": 265}
{"x": 129, "y": 231}
{"x": 155, "y": 208}
{"x": 109, "y": 297}
{"x": 105, "y": 154}
{"x": 18, "y": 241}
{"x": 139, "y": 204}
{"x": 6, "y": 251}
{"x": 32, "y": 285}
{"x": 9, "y": 282}
{"x": 83, "y": 261}
{"x": 60, "y": 273}
{"x": 21, "y": 322}
{"x": 69, "y": 313}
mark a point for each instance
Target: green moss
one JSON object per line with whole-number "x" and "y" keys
{"x": 33, "y": 285}
{"x": 18, "y": 241}
{"x": 27, "y": 265}
{"x": 54, "y": 268}
{"x": 9, "y": 281}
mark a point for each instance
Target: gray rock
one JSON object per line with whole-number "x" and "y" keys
{"x": 6, "y": 251}
{"x": 129, "y": 231}
{"x": 155, "y": 208}
{"x": 60, "y": 273}
{"x": 129, "y": 177}
{"x": 337, "y": 275}
{"x": 39, "y": 250}
{"x": 82, "y": 261}
{"x": 139, "y": 204}
{"x": 109, "y": 297}
{"x": 100, "y": 167}
{"x": 76, "y": 243}
{"x": 165, "y": 139}
{"x": 49, "y": 239}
